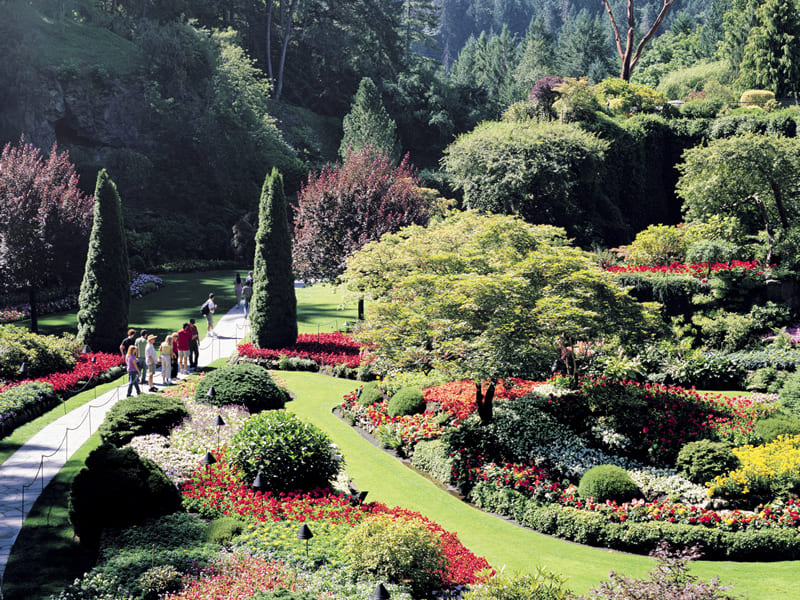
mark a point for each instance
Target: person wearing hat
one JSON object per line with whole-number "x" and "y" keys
{"x": 150, "y": 357}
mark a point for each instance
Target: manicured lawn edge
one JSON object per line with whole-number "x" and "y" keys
{"x": 501, "y": 542}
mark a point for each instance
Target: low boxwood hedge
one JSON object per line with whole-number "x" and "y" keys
{"x": 23, "y": 403}
{"x": 594, "y": 529}
{"x": 141, "y": 415}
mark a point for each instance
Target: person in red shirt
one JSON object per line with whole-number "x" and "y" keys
{"x": 194, "y": 345}
{"x": 184, "y": 337}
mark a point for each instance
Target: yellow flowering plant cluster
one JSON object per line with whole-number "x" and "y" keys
{"x": 767, "y": 471}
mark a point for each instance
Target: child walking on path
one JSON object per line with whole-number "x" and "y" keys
{"x": 132, "y": 366}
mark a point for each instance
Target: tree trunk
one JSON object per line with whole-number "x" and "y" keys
{"x": 269, "y": 44}
{"x": 287, "y": 29}
{"x": 361, "y": 308}
{"x": 484, "y": 401}
{"x": 34, "y": 309}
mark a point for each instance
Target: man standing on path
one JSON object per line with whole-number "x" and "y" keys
{"x": 184, "y": 335}
{"x": 194, "y": 345}
{"x": 207, "y": 309}
{"x": 127, "y": 342}
{"x": 141, "y": 347}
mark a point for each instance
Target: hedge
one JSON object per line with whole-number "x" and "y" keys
{"x": 23, "y": 403}
{"x": 594, "y": 529}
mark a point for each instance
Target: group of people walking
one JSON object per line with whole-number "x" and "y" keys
{"x": 178, "y": 353}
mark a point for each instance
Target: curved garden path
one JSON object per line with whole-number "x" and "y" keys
{"x": 503, "y": 543}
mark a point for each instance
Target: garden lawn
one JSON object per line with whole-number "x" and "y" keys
{"x": 501, "y": 542}
{"x": 319, "y": 307}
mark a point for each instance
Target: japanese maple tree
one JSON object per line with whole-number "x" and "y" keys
{"x": 44, "y": 221}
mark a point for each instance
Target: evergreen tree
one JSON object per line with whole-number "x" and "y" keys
{"x": 273, "y": 315}
{"x": 368, "y": 123}
{"x": 537, "y": 58}
{"x": 772, "y": 53}
{"x": 105, "y": 295}
{"x": 583, "y": 47}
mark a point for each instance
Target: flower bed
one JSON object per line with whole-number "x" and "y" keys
{"x": 218, "y": 491}
{"x": 699, "y": 270}
{"x": 330, "y": 349}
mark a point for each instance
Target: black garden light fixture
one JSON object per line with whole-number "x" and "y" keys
{"x": 87, "y": 349}
{"x": 381, "y": 593}
{"x": 219, "y": 422}
{"x": 258, "y": 482}
{"x": 208, "y": 460}
{"x": 211, "y": 393}
{"x": 23, "y": 370}
{"x": 305, "y": 534}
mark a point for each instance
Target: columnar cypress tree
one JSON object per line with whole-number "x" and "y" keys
{"x": 105, "y": 295}
{"x": 273, "y": 315}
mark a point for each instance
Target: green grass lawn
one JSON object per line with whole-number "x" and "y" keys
{"x": 501, "y": 542}
{"x": 320, "y": 307}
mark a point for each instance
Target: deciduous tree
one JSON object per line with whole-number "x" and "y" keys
{"x": 341, "y": 208}
{"x": 753, "y": 178}
{"x": 486, "y": 296}
{"x": 44, "y": 221}
{"x": 273, "y": 314}
{"x": 105, "y": 295}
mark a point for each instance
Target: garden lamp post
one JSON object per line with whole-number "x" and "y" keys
{"x": 211, "y": 394}
{"x": 258, "y": 482}
{"x": 381, "y": 593}
{"x": 305, "y": 534}
{"x": 23, "y": 370}
{"x": 219, "y": 423}
{"x": 208, "y": 460}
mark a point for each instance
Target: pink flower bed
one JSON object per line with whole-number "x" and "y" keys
{"x": 698, "y": 270}
{"x": 325, "y": 349}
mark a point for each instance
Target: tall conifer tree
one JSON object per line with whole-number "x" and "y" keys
{"x": 105, "y": 295}
{"x": 368, "y": 123}
{"x": 273, "y": 315}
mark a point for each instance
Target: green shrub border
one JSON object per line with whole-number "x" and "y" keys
{"x": 594, "y": 529}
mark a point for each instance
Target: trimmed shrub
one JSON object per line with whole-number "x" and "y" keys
{"x": 289, "y": 454}
{"x": 433, "y": 458}
{"x": 397, "y": 549}
{"x": 160, "y": 581}
{"x": 42, "y": 354}
{"x": 770, "y": 428}
{"x": 118, "y": 488}
{"x": 223, "y": 530}
{"x": 407, "y": 401}
{"x": 756, "y": 97}
{"x": 370, "y": 394}
{"x": 703, "y": 460}
{"x": 246, "y": 383}
{"x": 607, "y": 482}
{"x": 541, "y": 585}
{"x": 24, "y": 402}
{"x": 141, "y": 415}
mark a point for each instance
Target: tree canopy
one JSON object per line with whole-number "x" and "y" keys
{"x": 486, "y": 296}
{"x": 44, "y": 221}
{"x": 341, "y": 208}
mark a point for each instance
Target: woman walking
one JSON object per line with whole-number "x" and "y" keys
{"x": 150, "y": 360}
{"x": 132, "y": 366}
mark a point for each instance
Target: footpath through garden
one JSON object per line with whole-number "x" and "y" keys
{"x": 28, "y": 471}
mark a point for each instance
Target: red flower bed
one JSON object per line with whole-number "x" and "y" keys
{"x": 83, "y": 370}
{"x": 324, "y": 348}
{"x": 698, "y": 270}
{"x": 219, "y": 491}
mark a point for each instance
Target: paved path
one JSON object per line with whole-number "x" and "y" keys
{"x": 40, "y": 459}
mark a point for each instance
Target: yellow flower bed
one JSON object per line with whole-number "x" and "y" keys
{"x": 767, "y": 470}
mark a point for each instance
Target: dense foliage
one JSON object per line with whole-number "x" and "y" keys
{"x": 141, "y": 415}
{"x": 273, "y": 308}
{"x": 105, "y": 298}
{"x": 341, "y": 208}
{"x": 244, "y": 384}
{"x": 44, "y": 221}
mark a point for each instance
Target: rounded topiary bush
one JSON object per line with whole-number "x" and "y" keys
{"x": 407, "y": 401}
{"x": 290, "y": 454}
{"x": 223, "y": 530}
{"x": 702, "y": 460}
{"x": 141, "y": 415}
{"x": 397, "y": 549}
{"x": 370, "y": 394}
{"x": 117, "y": 488}
{"x": 607, "y": 482}
{"x": 245, "y": 383}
